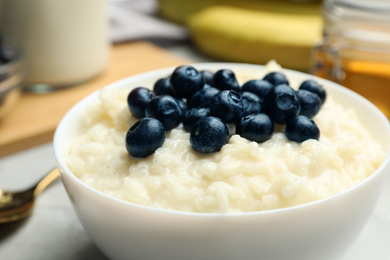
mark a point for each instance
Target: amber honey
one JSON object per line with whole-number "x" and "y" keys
{"x": 369, "y": 79}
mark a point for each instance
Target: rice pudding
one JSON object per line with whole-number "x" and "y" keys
{"x": 243, "y": 176}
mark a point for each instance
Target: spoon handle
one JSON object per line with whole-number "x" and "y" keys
{"x": 46, "y": 181}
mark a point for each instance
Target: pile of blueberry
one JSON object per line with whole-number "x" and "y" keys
{"x": 6, "y": 52}
{"x": 206, "y": 102}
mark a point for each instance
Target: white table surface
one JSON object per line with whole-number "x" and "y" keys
{"x": 54, "y": 232}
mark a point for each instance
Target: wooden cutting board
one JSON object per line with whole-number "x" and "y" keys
{"x": 35, "y": 117}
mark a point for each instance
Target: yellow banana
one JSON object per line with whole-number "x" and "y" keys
{"x": 252, "y": 31}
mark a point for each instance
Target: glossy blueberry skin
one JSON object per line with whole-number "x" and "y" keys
{"x": 301, "y": 128}
{"x": 208, "y": 135}
{"x": 256, "y": 127}
{"x": 258, "y": 86}
{"x": 276, "y": 78}
{"x": 186, "y": 81}
{"x": 206, "y": 85}
{"x": 310, "y": 103}
{"x": 250, "y": 103}
{"x": 227, "y": 105}
{"x": 138, "y": 99}
{"x": 315, "y": 87}
{"x": 203, "y": 97}
{"x": 193, "y": 115}
{"x": 182, "y": 104}
{"x": 281, "y": 104}
{"x": 225, "y": 79}
{"x": 144, "y": 137}
{"x": 163, "y": 87}
{"x": 208, "y": 77}
{"x": 165, "y": 109}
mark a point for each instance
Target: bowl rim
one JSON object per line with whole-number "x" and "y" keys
{"x": 206, "y": 65}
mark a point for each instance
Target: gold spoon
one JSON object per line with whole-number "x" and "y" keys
{"x": 19, "y": 204}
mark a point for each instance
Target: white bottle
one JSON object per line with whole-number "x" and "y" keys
{"x": 64, "y": 42}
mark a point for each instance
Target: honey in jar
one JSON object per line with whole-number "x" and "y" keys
{"x": 355, "y": 49}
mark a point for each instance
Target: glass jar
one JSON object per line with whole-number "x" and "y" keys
{"x": 64, "y": 42}
{"x": 355, "y": 49}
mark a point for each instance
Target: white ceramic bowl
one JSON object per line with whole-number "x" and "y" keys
{"x": 319, "y": 230}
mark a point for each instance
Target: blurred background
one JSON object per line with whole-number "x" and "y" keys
{"x": 54, "y": 52}
{"x": 58, "y": 44}
{"x": 252, "y": 31}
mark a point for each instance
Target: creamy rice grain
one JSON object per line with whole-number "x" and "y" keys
{"x": 244, "y": 176}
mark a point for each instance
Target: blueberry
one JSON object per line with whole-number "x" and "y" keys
{"x": 182, "y": 104}
{"x": 315, "y": 87}
{"x": 208, "y": 135}
{"x": 203, "y": 97}
{"x": 144, "y": 137}
{"x": 255, "y": 127}
{"x": 227, "y": 106}
{"x": 166, "y": 109}
{"x": 276, "y": 78}
{"x": 250, "y": 103}
{"x": 185, "y": 81}
{"x": 301, "y": 128}
{"x": 163, "y": 87}
{"x": 225, "y": 79}
{"x": 193, "y": 115}
{"x": 6, "y": 53}
{"x": 137, "y": 100}
{"x": 257, "y": 86}
{"x": 281, "y": 104}
{"x": 310, "y": 103}
{"x": 207, "y": 77}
